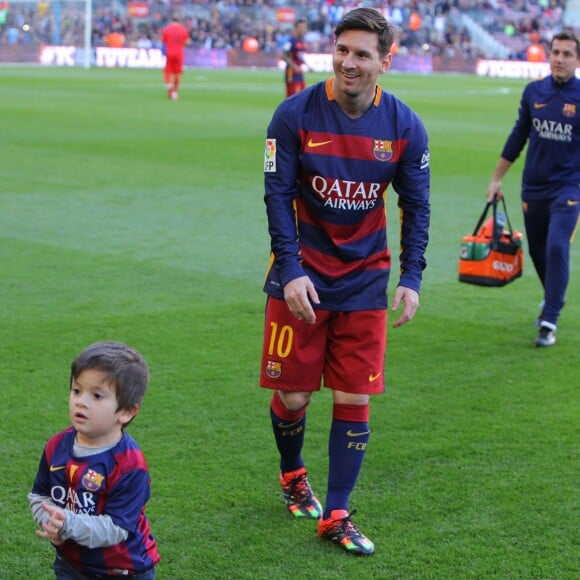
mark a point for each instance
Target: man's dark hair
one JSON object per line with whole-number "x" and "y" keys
{"x": 566, "y": 36}
{"x": 370, "y": 20}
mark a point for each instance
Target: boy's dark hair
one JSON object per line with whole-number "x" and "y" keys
{"x": 125, "y": 368}
{"x": 566, "y": 36}
{"x": 370, "y": 20}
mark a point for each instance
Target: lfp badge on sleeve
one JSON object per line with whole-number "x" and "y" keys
{"x": 270, "y": 156}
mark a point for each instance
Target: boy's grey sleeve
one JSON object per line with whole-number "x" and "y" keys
{"x": 84, "y": 529}
{"x": 34, "y": 501}
{"x": 92, "y": 531}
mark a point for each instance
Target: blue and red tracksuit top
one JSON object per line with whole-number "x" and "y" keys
{"x": 549, "y": 116}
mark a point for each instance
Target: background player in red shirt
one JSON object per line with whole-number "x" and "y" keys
{"x": 174, "y": 37}
{"x": 294, "y": 57}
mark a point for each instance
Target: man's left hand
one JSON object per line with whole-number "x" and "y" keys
{"x": 410, "y": 300}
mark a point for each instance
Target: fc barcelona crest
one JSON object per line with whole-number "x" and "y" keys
{"x": 383, "y": 150}
{"x": 92, "y": 480}
{"x": 569, "y": 110}
{"x": 273, "y": 369}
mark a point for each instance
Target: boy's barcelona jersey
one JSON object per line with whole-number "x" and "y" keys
{"x": 326, "y": 180}
{"x": 549, "y": 116}
{"x": 116, "y": 483}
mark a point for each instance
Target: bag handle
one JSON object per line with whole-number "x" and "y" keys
{"x": 507, "y": 218}
{"x": 483, "y": 216}
{"x": 493, "y": 205}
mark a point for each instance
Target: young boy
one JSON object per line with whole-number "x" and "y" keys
{"x": 92, "y": 483}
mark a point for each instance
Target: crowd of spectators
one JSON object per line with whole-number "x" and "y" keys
{"x": 424, "y": 26}
{"x": 518, "y": 23}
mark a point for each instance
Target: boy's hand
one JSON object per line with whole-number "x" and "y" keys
{"x": 52, "y": 527}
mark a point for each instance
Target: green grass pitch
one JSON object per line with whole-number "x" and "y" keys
{"x": 127, "y": 216}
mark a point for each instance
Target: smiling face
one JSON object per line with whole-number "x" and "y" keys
{"x": 563, "y": 60}
{"x": 93, "y": 410}
{"x": 357, "y": 64}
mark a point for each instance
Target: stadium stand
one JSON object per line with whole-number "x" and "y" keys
{"x": 468, "y": 28}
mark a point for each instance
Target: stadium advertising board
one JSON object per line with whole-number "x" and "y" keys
{"x": 515, "y": 69}
{"x": 106, "y": 57}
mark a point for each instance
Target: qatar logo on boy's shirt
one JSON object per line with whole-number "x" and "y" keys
{"x": 68, "y": 498}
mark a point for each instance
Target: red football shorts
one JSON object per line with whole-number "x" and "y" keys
{"x": 174, "y": 64}
{"x": 294, "y": 87}
{"x": 342, "y": 350}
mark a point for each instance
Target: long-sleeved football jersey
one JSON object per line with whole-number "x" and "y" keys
{"x": 549, "y": 116}
{"x": 114, "y": 482}
{"x": 326, "y": 179}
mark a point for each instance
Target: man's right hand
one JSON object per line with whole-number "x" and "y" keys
{"x": 494, "y": 191}
{"x": 299, "y": 295}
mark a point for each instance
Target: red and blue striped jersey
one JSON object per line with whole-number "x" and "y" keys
{"x": 549, "y": 116}
{"x": 116, "y": 483}
{"x": 294, "y": 50}
{"x": 326, "y": 180}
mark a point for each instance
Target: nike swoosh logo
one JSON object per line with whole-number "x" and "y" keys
{"x": 287, "y": 426}
{"x": 57, "y": 467}
{"x": 539, "y": 105}
{"x": 572, "y": 202}
{"x": 350, "y": 433}
{"x": 373, "y": 378}
{"x": 312, "y": 144}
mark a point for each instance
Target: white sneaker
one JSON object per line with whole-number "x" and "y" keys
{"x": 546, "y": 337}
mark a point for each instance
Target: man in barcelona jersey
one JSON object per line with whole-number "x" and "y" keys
{"x": 294, "y": 58}
{"x": 332, "y": 151}
{"x": 549, "y": 121}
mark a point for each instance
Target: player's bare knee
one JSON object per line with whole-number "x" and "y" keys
{"x": 294, "y": 401}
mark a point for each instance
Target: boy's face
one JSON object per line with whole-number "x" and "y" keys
{"x": 93, "y": 410}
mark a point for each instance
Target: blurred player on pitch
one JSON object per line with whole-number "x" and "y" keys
{"x": 174, "y": 38}
{"x": 294, "y": 58}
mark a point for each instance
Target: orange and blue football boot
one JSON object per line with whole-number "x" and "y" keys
{"x": 300, "y": 499}
{"x": 340, "y": 528}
